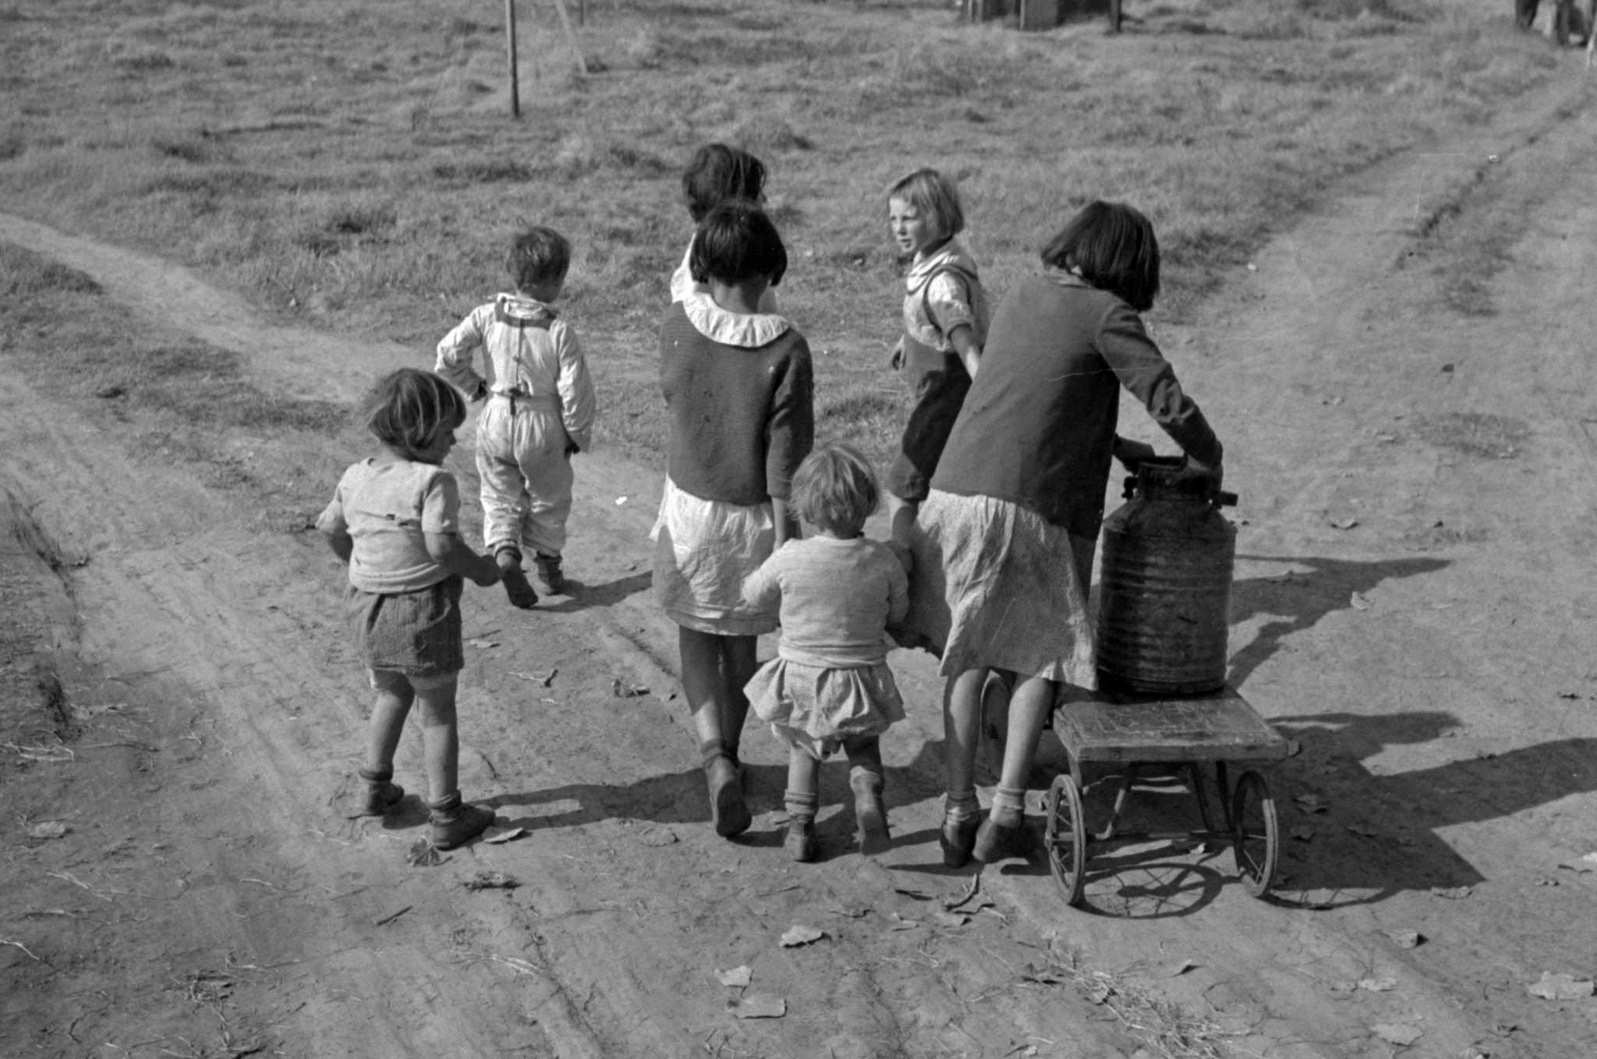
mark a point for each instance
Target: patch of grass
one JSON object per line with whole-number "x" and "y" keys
{"x": 169, "y": 396}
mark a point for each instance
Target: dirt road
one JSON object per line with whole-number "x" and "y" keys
{"x": 1404, "y": 385}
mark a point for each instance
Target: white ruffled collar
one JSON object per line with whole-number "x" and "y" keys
{"x": 749, "y": 330}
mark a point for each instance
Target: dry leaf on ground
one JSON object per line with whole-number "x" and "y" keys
{"x": 759, "y": 1006}
{"x": 1397, "y": 1033}
{"x": 738, "y": 977}
{"x": 800, "y": 934}
{"x": 1552, "y": 986}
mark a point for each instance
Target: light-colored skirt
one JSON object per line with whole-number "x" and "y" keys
{"x": 703, "y": 549}
{"x": 815, "y": 708}
{"x": 998, "y": 586}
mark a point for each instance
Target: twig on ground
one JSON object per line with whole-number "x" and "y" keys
{"x": 41, "y": 753}
{"x": 19, "y": 945}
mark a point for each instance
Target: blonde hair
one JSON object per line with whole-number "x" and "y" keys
{"x": 835, "y": 490}
{"x": 934, "y": 197}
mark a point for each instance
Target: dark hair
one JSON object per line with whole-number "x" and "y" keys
{"x": 1114, "y": 248}
{"x": 718, "y": 173}
{"x": 408, "y": 409}
{"x": 537, "y": 256}
{"x": 835, "y": 490}
{"x": 736, "y": 241}
{"x": 934, "y": 197}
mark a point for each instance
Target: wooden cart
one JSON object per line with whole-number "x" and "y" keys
{"x": 1140, "y": 736}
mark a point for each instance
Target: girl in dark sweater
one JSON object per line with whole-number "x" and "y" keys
{"x": 1004, "y": 543}
{"x": 738, "y": 390}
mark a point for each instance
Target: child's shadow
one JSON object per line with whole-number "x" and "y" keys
{"x": 681, "y": 798}
{"x": 579, "y": 596}
{"x": 674, "y": 798}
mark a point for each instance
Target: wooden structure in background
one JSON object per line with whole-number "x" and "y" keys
{"x": 510, "y": 48}
{"x": 1041, "y": 14}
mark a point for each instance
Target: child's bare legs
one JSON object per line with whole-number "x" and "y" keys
{"x": 387, "y": 724}
{"x": 453, "y": 822}
{"x": 802, "y": 797}
{"x": 738, "y": 662}
{"x": 709, "y": 664}
{"x": 1001, "y": 833}
{"x": 440, "y": 738}
{"x": 961, "y": 724}
{"x": 865, "y": 779}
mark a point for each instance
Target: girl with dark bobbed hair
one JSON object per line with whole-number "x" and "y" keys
{"x": 739, "y": 398}
{"x": 1003, "y": 545}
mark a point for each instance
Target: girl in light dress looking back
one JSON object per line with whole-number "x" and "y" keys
{"x": 829, "y": 686}
{"x": 945, "y": 317}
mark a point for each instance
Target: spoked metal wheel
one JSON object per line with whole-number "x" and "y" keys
{"x": 1254, "y": 835}
{"x": 1067, "y": 837}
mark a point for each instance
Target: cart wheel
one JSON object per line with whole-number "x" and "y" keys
{"x": 1067, "y": 837}
{"x": 1254, "y": 836}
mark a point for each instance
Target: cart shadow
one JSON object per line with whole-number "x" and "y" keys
{"x": 1346, "y": 836}
{"x": 1351, "y": 836}
{"x": 1297, "y": 600}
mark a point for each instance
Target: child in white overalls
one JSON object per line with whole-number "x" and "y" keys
{"x": 539, "y": 411}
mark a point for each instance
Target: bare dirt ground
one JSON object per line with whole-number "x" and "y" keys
{"x": 1404, "y": 384}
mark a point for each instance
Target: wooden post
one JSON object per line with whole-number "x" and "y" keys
{"x": 571, "y": 35}
{"x": 510, "y": 48}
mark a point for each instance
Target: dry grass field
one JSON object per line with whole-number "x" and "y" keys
{"x": 355, "y": 166}
{"x": 219, "y": 219}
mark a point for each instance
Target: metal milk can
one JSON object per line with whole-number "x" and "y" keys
{"x": 1165, "y": 583}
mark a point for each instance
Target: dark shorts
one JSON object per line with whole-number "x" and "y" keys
{"x": 415, "y": 633}
{"x": 938, "y": 399}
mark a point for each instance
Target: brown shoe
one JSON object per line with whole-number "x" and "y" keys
{"x": 377, "y": 794}
{"x": 1001, "y": 835}
{"x": 549, "y": 573}
{"x": 727, "y": 808}
{"x": 455, "y": 823}
{"x": 958, "y": 838}
{"x": 800, "y": 840}
{"x": 517, "y": 587}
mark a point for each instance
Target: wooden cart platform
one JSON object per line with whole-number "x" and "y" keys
{"x": 1141, "y": 735}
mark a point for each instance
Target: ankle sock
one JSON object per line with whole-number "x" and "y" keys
{"x": 375, "y": 776}
{"x": 711, "y": 749}
{"x": 961, "y": 806}
{"x": 800, "y": 803}
{"x": 1009, "y": 803}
